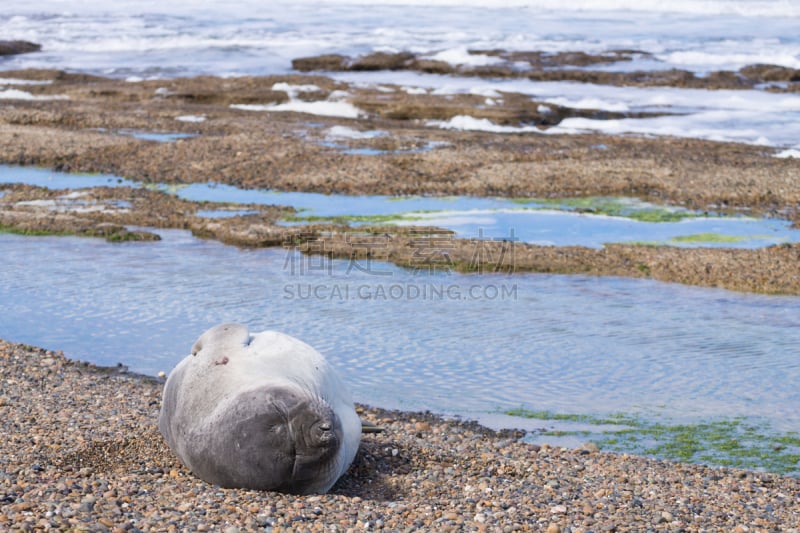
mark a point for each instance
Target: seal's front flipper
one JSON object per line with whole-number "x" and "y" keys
{"x": 368, "y": 427}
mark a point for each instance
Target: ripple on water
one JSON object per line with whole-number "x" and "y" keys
{"x": 563, "y": 343}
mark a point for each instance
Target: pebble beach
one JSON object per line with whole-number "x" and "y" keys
{"x": 82, "y": 453}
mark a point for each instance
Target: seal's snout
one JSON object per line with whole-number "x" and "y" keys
{"x": 325, "y": 431}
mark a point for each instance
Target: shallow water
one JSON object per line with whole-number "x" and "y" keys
{"x": 470, "y": 217}
{"x": 163, "y": 137}
{"x": 457, "y": 344}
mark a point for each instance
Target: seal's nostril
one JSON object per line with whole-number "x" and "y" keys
{"x": 326, "y": 426}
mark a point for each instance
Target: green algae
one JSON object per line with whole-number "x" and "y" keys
{"x": 735, "y": 442}
{"x": 34, "y": 232}
{"x": 115, "y": 235}
{"x": 712, "y": 238}
{"x": 701, "y": 238}
{"x": 614, "y": 207}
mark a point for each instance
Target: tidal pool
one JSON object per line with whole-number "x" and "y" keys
{"x": 161, "y": 137}
{"x": 164, "y": 137}
{"x": 591, "y": 222}
{"x": 470, "y": 345}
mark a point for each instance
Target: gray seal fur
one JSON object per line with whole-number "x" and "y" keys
{"x": 263, "y": 411}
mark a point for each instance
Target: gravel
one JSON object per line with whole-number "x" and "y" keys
{"x": 82, "y": 452}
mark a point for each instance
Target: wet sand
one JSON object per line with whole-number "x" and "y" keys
{"x": 82, "y": 452}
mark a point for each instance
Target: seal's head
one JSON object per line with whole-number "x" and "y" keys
{"x": 274, "y": 438}
{"x": 263, "y": 411}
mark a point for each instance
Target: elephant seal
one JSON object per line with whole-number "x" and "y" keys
{"x": 263, "y": 411}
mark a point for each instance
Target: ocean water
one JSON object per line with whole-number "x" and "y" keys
{"x": 141, "y": 39}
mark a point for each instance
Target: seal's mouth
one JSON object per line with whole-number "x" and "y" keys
{"x": 314, "y": 424}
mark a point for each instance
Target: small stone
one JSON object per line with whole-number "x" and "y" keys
{"x": 162, "y": 374}
{"x": 553, "y": 528}
{"x": 667, "y": 516}
{"x": 558, "y": 509}
{"x": 479, "y": 518}
{"x": 590, "y": 447}
{"x": 87, "y": 504}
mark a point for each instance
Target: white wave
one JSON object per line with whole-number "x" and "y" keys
{"x": 15, "y": 81}
{"x": 468, "y": 123}
{"x": 585, "y": 95}
{"x": 750, "y": 116}
{"x": 343, "y": 132}
{"x": 321, "y": 108}
{"x": 791, "y": 152}
{"x": 334, "y": 106}
{"x": 589, "y": 103}
{"x": 191, "y": 118}
{"x": 186, "y": 37}
{"x": 722, "y": 59}
{"x": 461, "y": 56}
{"x": 15, "y": 94}
{"x": 488, "y": 92}
{"x": 294, "y": 90}
{"x": 714, "y": 126}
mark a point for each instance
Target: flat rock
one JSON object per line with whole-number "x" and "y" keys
{"x": 9, "y": 48}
